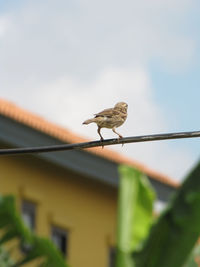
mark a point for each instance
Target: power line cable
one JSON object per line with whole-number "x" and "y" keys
{"x": 107, "y": 142}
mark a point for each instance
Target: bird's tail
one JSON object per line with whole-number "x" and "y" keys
{"x": 88, "y": 121}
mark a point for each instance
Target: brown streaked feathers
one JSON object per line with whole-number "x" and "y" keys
{"x": 110, "y": 118}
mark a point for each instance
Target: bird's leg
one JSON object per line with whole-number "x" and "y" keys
{"x": 99, "y": 132}
{"x": 120, "y": 136}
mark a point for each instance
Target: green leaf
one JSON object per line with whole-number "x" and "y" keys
{"x": 135, "y": 208}
{"x": 12, "y": 227}
{"x": 45, "y": 249}
{"x": 11, "y": 222}
{"x": 173, "y": 237}
{"x": 5, "y": 259}
{"x": 194, "y": 258}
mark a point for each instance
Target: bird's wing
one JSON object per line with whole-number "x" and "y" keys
{"x": 107, "y": 113}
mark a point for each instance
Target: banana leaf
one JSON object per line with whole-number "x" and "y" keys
{"x": 174, "y": 235}
{"x": 12, "y": 227}
{"x": 135, "y": 213}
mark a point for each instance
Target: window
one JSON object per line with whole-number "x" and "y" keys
{"x": 29, "y": 213}
{"x": 60, "y": 239}
{"x": 112, "y": 254}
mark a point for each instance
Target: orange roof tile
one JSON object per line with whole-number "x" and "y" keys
{"x": 20, "y": 115}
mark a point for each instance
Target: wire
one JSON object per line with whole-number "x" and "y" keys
{"x": 107, "y": 142}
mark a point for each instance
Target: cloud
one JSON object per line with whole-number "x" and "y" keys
{"x": 84, "y": 37}
{"x": 4, "y": 25}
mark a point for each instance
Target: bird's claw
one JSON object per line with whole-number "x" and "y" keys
{"x": 102, "y": 141}
{"x": 120, "y": 137}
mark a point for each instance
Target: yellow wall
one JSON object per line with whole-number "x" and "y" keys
{"x": 87, "y": 209}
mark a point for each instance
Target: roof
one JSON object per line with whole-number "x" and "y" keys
{"x": 12, "y": 111}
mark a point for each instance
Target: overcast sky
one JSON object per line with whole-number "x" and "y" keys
{"x": 67, "y": 60}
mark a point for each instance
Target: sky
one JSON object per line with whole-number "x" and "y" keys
{"x": 66, "y": 60}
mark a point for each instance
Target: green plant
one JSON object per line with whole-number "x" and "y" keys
{"x": 13, "y": 227}
{"x": 172, "y": 236}
{"x": 135, "y": 207}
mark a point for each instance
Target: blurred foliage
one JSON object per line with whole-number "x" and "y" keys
{"x": 5, "y": 258}
{"x": 194, "y": 258}
{"x": 171, "y": 240}
{"x": 12, "y": 228}
{"x": 174, "y": 235}
{"x": 135, "y": 213}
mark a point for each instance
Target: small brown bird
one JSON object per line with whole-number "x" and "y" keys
{"x": 110, "y": 118}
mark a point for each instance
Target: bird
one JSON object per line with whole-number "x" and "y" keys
{"x": 110, "y": 118}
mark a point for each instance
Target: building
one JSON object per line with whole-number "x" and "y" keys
{"x": 69, "y": 196}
